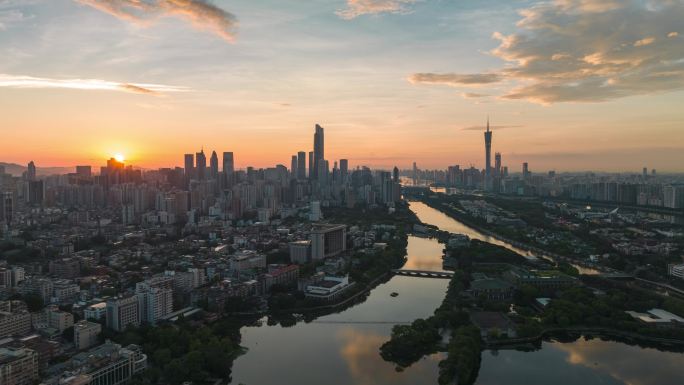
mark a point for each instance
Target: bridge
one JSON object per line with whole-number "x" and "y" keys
{"x": 424, "y": 273}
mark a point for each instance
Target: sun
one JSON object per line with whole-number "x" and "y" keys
{"x": 119, "y": 158}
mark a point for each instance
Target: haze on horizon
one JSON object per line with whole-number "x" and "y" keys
{"x": 568, "y": 84}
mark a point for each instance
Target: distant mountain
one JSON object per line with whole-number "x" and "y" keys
{"x": 17, "y": 169}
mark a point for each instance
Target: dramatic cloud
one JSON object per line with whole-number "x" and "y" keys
{"x": 588, "y": 51}
{"x": 454, "y": 79}
{"x": 19, "y": 81}
{"x": 200, "y": 13}
{"x": 357, "y": 8}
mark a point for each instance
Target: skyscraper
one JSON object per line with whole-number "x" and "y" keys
{"x": 395, "y": 174}
{"x": 293, "y": 167}
{"x": 228, "y": 163}
{"x": 301, "y": 165}
{"x": 31, "y": 171}
{"x": 319, "y": 149}
{"x": 213, "y": 166}
{"x": 201, "y": 165}
{"x": 488, "y": 158}
{"x": 311, "y": 165}
{"x": 526, "y": 170}
{"x": 497, "y": 164}
{"x": 189, "y": 165}
{"x": 344, "y": 170}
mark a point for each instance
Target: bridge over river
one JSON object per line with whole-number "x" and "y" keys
{"x": 424, "y": 273}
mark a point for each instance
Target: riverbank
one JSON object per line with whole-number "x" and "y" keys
{"x": 619, "y": 335}
{"x": 525, "y": 247}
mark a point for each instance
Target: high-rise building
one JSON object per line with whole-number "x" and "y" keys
{"x": 488, "y": 158}
{"x": 228, "y": 163}
{"x": 213, "y": 166}
{"x": 497, "y": 164}
{"x": 311, "y": 165}
{"x": 84, "y": 171}
{"x": 319, "y": 149}
{"x": 301, "y": 165}
{"x": 153, "y": 302}
{"x": 328, "y": 240}
{"x": 395, "y": 174}
{"x": 189, "y": 165}
{"x": 31, "y": 171}
{"x": 525, "y": 170}
{"x": 122, "y": 312}
{"x": 344, "y": 170}
{"x": 293, "y": 167}
{"x": 201, "y": 165}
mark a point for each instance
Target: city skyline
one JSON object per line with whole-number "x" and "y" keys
{"x": 100, "y": 79}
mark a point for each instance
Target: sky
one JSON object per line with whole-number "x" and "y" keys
{"x": 568, "y": 85}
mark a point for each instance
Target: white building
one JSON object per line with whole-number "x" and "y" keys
{"x": 329, "y": 289}
{"x": 676, "y": 270}
{"x": 96, "y": 311}
{"x": 153, "y": 302}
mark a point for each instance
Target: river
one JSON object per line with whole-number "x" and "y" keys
{"x": 343, "y": 348}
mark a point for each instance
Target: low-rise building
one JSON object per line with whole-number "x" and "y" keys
{"x": 86, "y": 334}
{"x": 14, "y": 319}
{"x": 328, "y": 289}
{"x": 18, "y": 366}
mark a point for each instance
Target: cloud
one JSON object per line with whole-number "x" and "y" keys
{"x": 357, "y": 8}
{"x": 21, "y": 81}
{"x": 11, "y": 17}
{"x": 455, "y": 80}
{"x": 482, "y": 128}
{"x": 587, "y": 51}
{"x": 201, "y": 13}
{"x": 473, "y": 95}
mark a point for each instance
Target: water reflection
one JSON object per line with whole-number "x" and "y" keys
{"x": 582, "y": 362}
{"x": 421, "y": 254}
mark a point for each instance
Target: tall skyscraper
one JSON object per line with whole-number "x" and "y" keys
{"x": 344, "y": 170}
{"x": 201, "y": 165}
{"x": 526, "y": 170}
{"x": 311, "y": 165}
{"x": 497, "y": 164}
{"x": 189, "y": 165}
{"x": 319, "y": 149}
{"x": 395, "y": 174}
{"x": 488, "y": 158}
{"x": 31, "y": 171}
{"x": 301, "y": 165}
{"x": 213, "y": 166}
{"x": 228, "y": 163}
{"x": 293, "y": 167}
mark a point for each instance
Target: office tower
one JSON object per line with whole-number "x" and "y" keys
{"x": 293, "y": 167}
{"x": 84, "y": 171}
{"x": 189, "y": 165}
{"x": 228, "y": 163}
{"x": 301, "y": 165}
{"x": 323, "y": 171}
{"x": 395, "y": 174}
{"x": 488, "y": 158}
{"x": 213, "y": 166}
{"x": 415, "y": 174}
{"x": 311, "y": 163}
{"x": 525, "y": 170}
{"x": 344, "y": 170}
{"x": 31, "y": 171}
{"x": 505, "y": 171}
{"x": 319, "y": 149}
{"x": 201, "y": 165}
{"x": 497, "y": 164}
